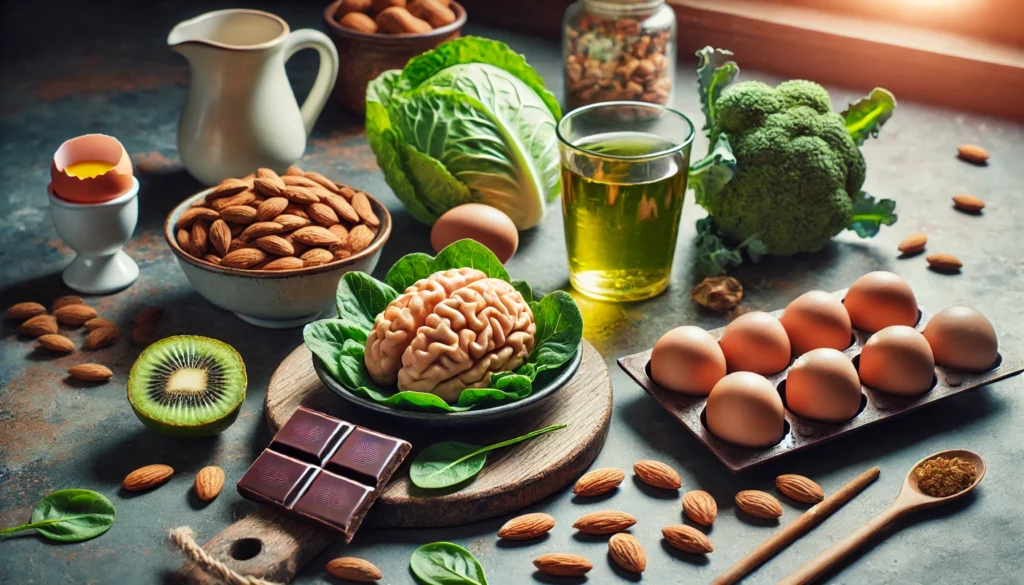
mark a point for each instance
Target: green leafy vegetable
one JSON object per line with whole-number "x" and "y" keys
{"x": 714, "y": 73}
{"x": 71, "y": 515}
{"x": 450, "y": 463}
{"x": 709, "y": 175}
{"x": 470, "y": 254}
{"x": 524, "y": 289}
{"x": 869, "y": 216}
{"x": 409, "y": 269}
{"x": 559, "y": 330}
{"x": 446, "y": 563}
{"x": 714, "y": 257}
{"x": 866, "y": 116}
{"x": 468, "y": 121}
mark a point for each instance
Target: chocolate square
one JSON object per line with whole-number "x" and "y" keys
{"x": 275, "y": 478}
{"x": 310, "y": 436}
{"x": 368, "y": 457}
{"x": 336, "y": 500}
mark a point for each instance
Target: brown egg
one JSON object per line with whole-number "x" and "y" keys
{"x": 746, "y": 410}
{"x": 823, "y": 385}
{"x": 817, "y": 319}
{"x": 93, "y": 168}
{"x": 962, "y": 338}
{"x": 687, "y": 360}
{"x": 880, "y": 299}
{"x": 897, "y": 360}
{"x": 756, "y": 342}
{"x": 479, "y": 222}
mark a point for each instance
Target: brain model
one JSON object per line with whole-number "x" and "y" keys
{"x": 450, "y": 332}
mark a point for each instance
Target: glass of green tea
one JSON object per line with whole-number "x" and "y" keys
{"x": 624, "y": 170}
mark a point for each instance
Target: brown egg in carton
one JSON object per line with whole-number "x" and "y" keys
{"x": 801, "y": 433}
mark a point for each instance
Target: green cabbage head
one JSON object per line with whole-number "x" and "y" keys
{"x": 469, "y": 122}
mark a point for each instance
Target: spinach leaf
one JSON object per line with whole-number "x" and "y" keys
{"x": 371, "y": 295}
{"x": 524, "y": 289}
{"x": 449, "y": 463}
{"x": 866, "y": 116}
{"x": 326, "y": 337}
{"x": 409, "y": 269}
{"x": 559, "y": 330}
{"x": 71, "y": 515}
{"x": 446, "y": 563}
{"x": 869, "y": 215}
{"x": 470, "y": 254}
{"x": 714, "y": 73}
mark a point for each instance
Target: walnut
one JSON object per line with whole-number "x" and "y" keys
{"x": 450, "y": 332}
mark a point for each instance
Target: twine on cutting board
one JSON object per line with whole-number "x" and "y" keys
{"x": 185, "y": 540}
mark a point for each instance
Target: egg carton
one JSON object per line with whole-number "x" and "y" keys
{"x": 801, "y": 433}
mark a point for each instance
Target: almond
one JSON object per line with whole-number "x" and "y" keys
{"x": 343, "y": 208}
{"x": 316, "y": 257}
{"x": 147, "y": 477}
{"x": 657, "y": 475}
{"x": 268, "y": 187}
{"x": 300, "y": 195}
{"x": 293, "y": 171}
{"x": 241, "y": 214}
{"x": 243, "y": 258}
{"x": 260, "y": 229}
{"x": 700, "y": 507}
{"x": 972, "y": 153}
{"x": 299, "y": 181}
{"x": 284, "y": 263}
{"x": 527, "y": 526}
{"x": 212, "y": 259}
{"x": 358, "y": 21}
{"x": 362, "y": 206}
{"x": 102, "y": 337}
{"x": 22, "y": 311}
{"x": 597, "y": 482}
{"x": 315, "y": 236}
{"x": 55, "y": 342}
{"x": 968, "y": 203}
{"x": 255, "y": 203}
{"x": 209, "y": 482}
{"x": 687, "y": 539}
{"x": 90, "y": 372}
{"x": 322, "y": 214}
{"x": 291, "y": 222}
{"x": 74, "y": 315}
{"x": 347, "y": 192}
{"x": 148, "y": 315}
{"x": 913, "y": 244}
{"x": 340, "y": 253}
{"x": 197, "y": 239}
{"x": 340, "y": 231}
{"x": 183, "y": 240}
{"x": 799, "y": 488}
{"x": 238, "y": 244}
{"x": 242, "y": 199}
{"x": 563, "y": 565}
{"x": 271, "y": 208}
{"x": 353, "y": 569}
{"x": 436, "y": 12}
{"x": 605, "y": 522}
{"x": 397, "y": 20}
{"x": 298, "y": 210}
{"x": 275, "y": 245}
{"x": 39, "y": 325}
{"x": 323, "y": 181}
{"x": 65, "y": 301}
{"x": 99, "y": 322}
{"x": 944, "y": 262}
{"x": 194, "y": 214}
{"x": 227, "y": 188}
{"x": 627, "y": 552}
{"x": 359, "y": 239}
{"x": 220, "y": 237}
{"x": 759, "y": 504}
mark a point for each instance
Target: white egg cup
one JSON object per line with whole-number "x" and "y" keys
{"x": 97, "y": 232}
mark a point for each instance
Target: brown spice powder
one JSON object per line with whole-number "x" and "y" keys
{"x": 941, "y": 477}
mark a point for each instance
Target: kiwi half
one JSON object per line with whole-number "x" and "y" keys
{"x": 187, "y": 386}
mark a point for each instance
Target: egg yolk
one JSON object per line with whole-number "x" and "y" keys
{"x": 88, "y": 169}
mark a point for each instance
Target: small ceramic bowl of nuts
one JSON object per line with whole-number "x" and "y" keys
{"x": 373, "y": 36}
{"x": 271, "y": 248}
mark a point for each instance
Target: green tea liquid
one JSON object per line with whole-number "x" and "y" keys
{"x": 622, "y": 216}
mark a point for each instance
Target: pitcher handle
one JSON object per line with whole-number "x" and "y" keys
{"x": 308, "y": 38}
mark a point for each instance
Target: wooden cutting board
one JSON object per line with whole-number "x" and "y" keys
{"x": 514, "y": 477}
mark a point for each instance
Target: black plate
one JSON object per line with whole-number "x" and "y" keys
{"x": 552, "y": 382}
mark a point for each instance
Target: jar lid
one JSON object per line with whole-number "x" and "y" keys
{"x": 624, "y": 5}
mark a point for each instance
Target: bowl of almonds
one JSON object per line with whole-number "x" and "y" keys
{"x": 271, "y": 248}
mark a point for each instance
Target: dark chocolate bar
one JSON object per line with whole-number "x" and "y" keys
{"x": 325, "y": 469}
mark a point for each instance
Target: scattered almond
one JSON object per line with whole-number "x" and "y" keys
{"x": 316, "y": 257}
{"x": 700, "y": 507}
{"x": 98, "y": 322}
{"x": 102, "y": 337}
{"x": 687, "y": 539}
{"x": 148, "y": 315}
{"x": 968, "y": 203}
{"x": 657, "y": 475}
{"x": 90, "y": 372}
{"x": 353, "y": 569}
{"x": 284, "y": 263}
{"x": 972, "y": 153}
{"x": 599, "y": 481}
{"x": 799, "y": 488}
{"x": 243, "y": 258}
{"x": 627, "y": 552}
{"x": 65, "y": 301}
{"x": 563, "y": 565}
{"x": 57, "y": 343}
{"x": 147, "y": 477}
{"x": 605, "y": 522}
{"x": 23, "y": 311}
{"x": 39, "y": 325}
{"x": 913, "y": 244}
{"x": 74, "y": 315}
{"x": 527, "y": 526}
{"x": 944, "y": 262}
{"x": 759, "y": 504}
{"x": 209, "y": 482}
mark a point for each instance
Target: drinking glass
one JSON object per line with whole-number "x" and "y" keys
{"x": 624, "y": 171}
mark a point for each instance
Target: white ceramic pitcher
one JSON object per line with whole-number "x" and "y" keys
{"x": 241, "y": 113}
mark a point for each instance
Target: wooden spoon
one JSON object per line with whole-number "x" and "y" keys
{"x": 911, "y": 499}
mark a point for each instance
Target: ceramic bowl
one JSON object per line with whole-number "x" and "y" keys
{"x": 276, "y": 300}
{"x": 546, "y": 385}
{"x": 365, "y": 56}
